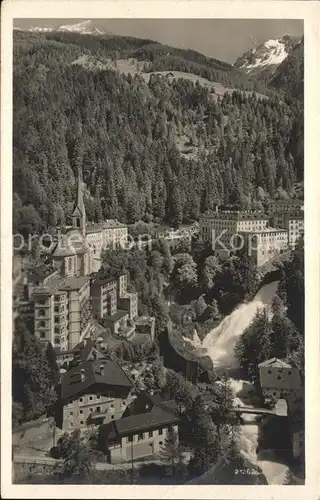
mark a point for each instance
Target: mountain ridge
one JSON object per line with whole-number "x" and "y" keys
{"x": 262, "y": 62}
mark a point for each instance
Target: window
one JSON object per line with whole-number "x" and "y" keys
{"x": 140, "y": 436}
{"x": 41, "y": 313}
{"x": 56, "y": 329}
{"x": 42, "y": 335}
{"x": 70, "y": 259}
{"x": 81, "y": 422}
{"x": 90, "y": 410}
{"x": 130, "y": 439}
{"x": 56, "y": 309}
{"x": 150, "y": 434}
{"x": 269, "y": 372}
{"x": 91, "y": 398}
{"x": 57, "y": 320}
{"x": 98, "y": 410}
{"x": 112, "y": 417}
{"x": 81, "y": 411}
{"x": 112, "y": 405}
{"x": 160, "y": 432}
{"x": 278, "y": 377}
{"x": 98, "y": 396}
{"x": 81, "y": 400}
{"x": 160, "y": 442}
{"x": 42, "y": 324}
{"x": 56, "y": 340}
{"x": 71, "y": 413}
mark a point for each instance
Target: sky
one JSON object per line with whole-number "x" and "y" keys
{"x": 224, "y": 39}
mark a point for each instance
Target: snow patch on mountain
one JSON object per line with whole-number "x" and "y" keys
{"x": 84, "y": 27}
{"x": 267, "y": 56}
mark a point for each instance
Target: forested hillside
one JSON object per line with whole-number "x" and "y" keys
{"x": 133, "y": 138}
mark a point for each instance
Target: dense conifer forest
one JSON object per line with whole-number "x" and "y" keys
{"x": 165, "y": 150}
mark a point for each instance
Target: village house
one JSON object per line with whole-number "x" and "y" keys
{"x": 278, "y": 379}
{"x": 142, "y": 430}
{"x": 91, "y": 393}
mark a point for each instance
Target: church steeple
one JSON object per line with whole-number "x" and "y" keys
{"x": 79, "y": 212}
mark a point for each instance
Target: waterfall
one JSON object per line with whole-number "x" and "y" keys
{"x": 219, "y": 345}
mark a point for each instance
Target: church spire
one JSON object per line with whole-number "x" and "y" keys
{"x": 79, "y": 212}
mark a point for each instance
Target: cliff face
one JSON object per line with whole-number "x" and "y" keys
{"x": 262, "y": 62}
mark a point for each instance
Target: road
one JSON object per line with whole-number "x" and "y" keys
{"x": 27, "y": 459}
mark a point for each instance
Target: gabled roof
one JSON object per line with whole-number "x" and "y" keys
{"x": 113, "y": 375}
{"x": 277, "y": 363}
{"x": 164, "y": 413}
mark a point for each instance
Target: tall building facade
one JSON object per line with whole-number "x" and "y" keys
{"x": 220, "y": 229}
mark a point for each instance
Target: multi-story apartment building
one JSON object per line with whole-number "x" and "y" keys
{"x": 57, "y": 296}
{"x": 92, "y": 392}
{"x": 104, "y": 297}
{"x": 127, "y": 300}
{"x": 221, "y": 228}
{"x": 114, "y": 233}
{"x": 294, "y": 224}
{"x": 112, "y": 303}
{"x": 139, "y": 433}
{"x": 280, "y": 209}
{"x": 94, "y": 238}
{"x": 62, "y": 311}
{"x": 290, "y": 205}
{"x": 265, "y": 244}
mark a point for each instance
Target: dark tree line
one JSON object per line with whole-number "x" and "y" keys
{"x": 127, "y": 134}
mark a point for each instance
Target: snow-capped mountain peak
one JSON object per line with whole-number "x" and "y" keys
{"x": 266, "y": 57}
{"x": 87, "y": 27}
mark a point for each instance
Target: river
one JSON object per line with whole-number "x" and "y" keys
{"x": 219, "y": 344}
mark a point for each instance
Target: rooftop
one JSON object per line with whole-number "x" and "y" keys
{"x": 39, "y": 273}
{"x": 162, "y": 413}
{"x": 275, "y": 362}
{"x": 276, "y": 380}
{"x": 104, "y": 280}
{"x": 116, "y": 316}
{"x": 70, "y": 243}
{"x": 73, "y": 283}
{"x": 112, "y": 375}
{"x": 112, "y": 223}
{"x": 94, "y": 227}
{"x": 58, "y": 283}
{"x": 145, "y": 320}
{"x": 265, "y": 230}
{"x": 235, "y": 215}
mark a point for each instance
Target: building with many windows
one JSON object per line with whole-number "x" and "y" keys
{"x": 265, "y": 244}
{"x": 142, "y": 430}
{"x": 114, "y": 305}
{"x": 62, "y": 311}
{"x": 91, "y": 393}
{"x": 220, "y": 228}
{"x": 290, "y": 205}
{"x": 294, "y": 224}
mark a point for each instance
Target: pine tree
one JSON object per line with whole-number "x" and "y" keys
{"x": 31, "y": 375}
{"x": 170, "y": 451}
